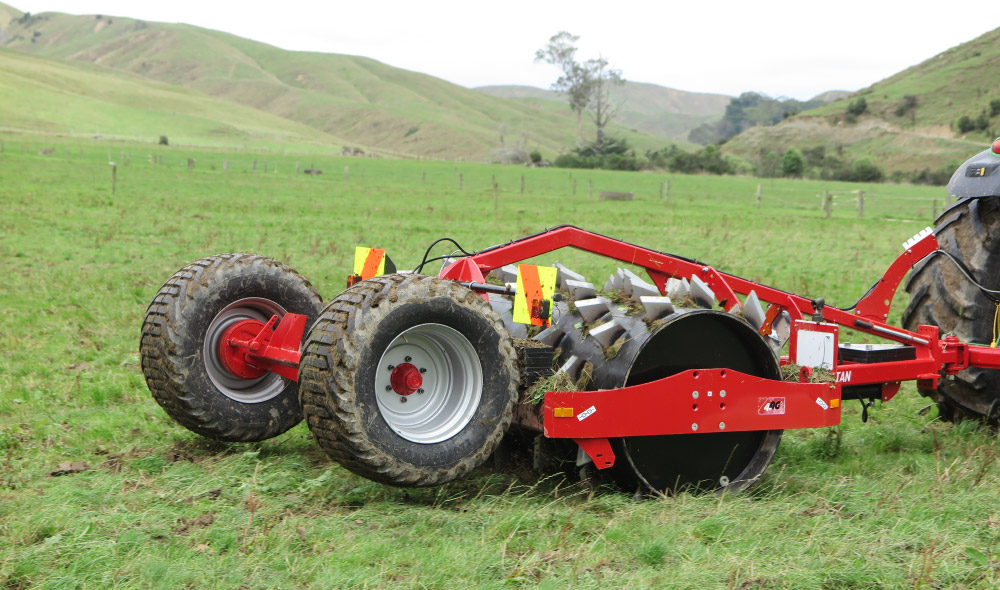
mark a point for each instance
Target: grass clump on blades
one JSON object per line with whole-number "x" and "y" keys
{"x": 901, "y": 502}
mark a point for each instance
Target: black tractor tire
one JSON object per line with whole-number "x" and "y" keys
{"x": 362, "y": 423}
{"x": 183, "y": 327}
{"x": 941, "y": 296}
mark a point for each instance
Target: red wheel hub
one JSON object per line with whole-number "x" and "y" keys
{"x": 405, "y": 379}
{"x": 235, "y": 345}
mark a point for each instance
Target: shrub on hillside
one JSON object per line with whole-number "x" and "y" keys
{"x": 164, "y": 140}
{"x": 792, "y": 163}
{"x": 864, "y": 170}
{"x": 857, "y": 106}
{"x": 613, "y": 154}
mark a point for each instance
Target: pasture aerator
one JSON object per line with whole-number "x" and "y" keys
{"x": 681, "y": 379}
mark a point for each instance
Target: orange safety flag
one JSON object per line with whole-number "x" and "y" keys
{"x": 535, "y": 284}
{"x": 369, "y": 262}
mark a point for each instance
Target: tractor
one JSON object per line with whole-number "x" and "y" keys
{"x": 681, "y": 379}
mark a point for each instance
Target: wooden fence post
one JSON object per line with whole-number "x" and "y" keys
{"x": 828, "y": 203}
{"x": 347, "y": 173}
{"x": 758, "y": 196}
{"x": 934, "y": 209}
{"x": 861, "y": 204}
{"x": 496, "y": 195}
{"x": 114, "y": 176}
{"x": 666, "y": 191}
{"x": 522, "y": 184}
{"x": 254, "y": 166}
{"x": 459, "y": 181}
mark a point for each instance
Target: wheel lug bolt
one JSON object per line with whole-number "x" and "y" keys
{"x": 388, "y": 387}
{"x": 402, "y": 400}
{"x": 391, "y": 367}
{"x": 420, "y": 391}
{"x": 408, "y": 359}
{"x": 423, "y": 370}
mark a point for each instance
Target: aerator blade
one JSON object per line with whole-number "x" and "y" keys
{"x": 606, "y": 334}
{"x": 677, "y": 288}
{"x": 571, "y": 367}
{"x": 566, "y": 274}
{"x": 642, "y": 288}
{"x": 580, "y": 289}
{"x": 701, "y": 292}
{"x": 550, "y": 336}
{"x": 591, "y": 309}
{"x": 655, "y": 306}
{"x": 753, "y": 311}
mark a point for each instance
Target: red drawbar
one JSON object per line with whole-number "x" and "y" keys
{"x": 249, "y": 348}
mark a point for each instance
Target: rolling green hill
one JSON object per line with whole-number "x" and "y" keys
{"x": 41, "y": 95}
{"x": 360, "y": 100}
{"x": 909, "y": 122}
{"x": 649, "y": 108}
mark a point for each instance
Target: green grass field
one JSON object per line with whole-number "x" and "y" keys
{"x": 904, "y": 501}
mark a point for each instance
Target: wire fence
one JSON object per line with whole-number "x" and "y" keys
{"x": 883, "y": 201}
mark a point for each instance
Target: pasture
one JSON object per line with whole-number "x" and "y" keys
{"x": 904, "y": 501}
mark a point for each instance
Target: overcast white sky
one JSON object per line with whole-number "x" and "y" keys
{"x": 792, "y": 49}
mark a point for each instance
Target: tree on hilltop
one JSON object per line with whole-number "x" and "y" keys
{"x": 575, "y": 81}
{"x": 587, "y": 85}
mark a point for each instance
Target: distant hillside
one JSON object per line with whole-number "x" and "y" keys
{"x": 910, "y": 120}
{"x": 359, "y": 100}
{"x": 41, "y": 95}
{"x": 830, "y": 96}
{"x": 656, "y": 110}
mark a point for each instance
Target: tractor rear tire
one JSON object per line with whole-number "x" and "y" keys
{"x": 181, "y": 336}
{"x": 420, "y": 437}
{"x": 941, "y": 296}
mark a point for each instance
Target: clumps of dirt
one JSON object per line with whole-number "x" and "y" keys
{"x": 586, "y": 377}
{"x": 186, "y": 524}
{"x": 686, "y": 301}
{"x": 792, "y": 372}
{"x": 611, "y": 352}
{"x": 528, "y": 343}
{"x": 560, "y": 381}
{"x": 69, "y": 468}
{"x": 626, "y": 304}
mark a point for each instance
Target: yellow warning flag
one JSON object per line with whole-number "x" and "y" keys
{"x": 535, "y": 285}
{"x": 369, "y": 262}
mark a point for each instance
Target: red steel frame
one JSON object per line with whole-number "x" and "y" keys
{"x": 715, "y": 400}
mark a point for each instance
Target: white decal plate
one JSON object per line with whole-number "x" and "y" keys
{"x": 586, "y": 413}
{"x": 770, "y": 406}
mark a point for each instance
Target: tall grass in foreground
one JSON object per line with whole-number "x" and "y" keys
{"x": 904, "y": 501}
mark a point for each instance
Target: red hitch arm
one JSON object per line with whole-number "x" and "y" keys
{"x": 274, "y": 347}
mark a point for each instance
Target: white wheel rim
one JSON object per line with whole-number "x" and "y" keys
{"x": 451, "y": 389}
{"x": 246, "y": 391}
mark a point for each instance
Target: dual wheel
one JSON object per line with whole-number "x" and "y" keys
{"x": 408, "y": 380}
{"x": 405, "y": 379}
